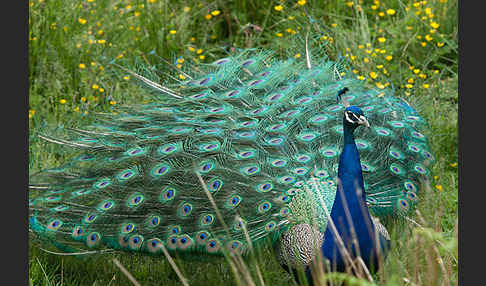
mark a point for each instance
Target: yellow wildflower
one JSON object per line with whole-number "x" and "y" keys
{"x": 360, "y": 77}
{"x": 428, "y": 37}
{"x": 172, "y": 32}
{"x": 208, "y": 16}
{"x": 297, "y": 56}
{"x": 83, "y": 99}
{"x": 379, "y": 66}
{"x": 439, "y": 187}
{"x": 180, "y": 60}
{"x": 453, "y": 164}
{"x": 202, "y": 57}
{"x": 279, "y": 34}
{"x": 390, "y": 12}
{"x": 416, "y": 71}
{"x": 62, "y": 101}
{"x": 334, "y": 25}
{"x": 191, "y": 49}
{"x": 366, "y": 60}
{"x": 381, "y": 39}
{"x": 95, "y": 86}
{"x": 381, "y": 14}
{"x": 380, "y": 85}
{"x": 82, "y": 66}
{"x": 350, "y": 3}
{"x": 112, "y": 102}
{"x": 127, "y": 77}
{"x": 374, "y": 7}
{"x": 426, "y": 85}
{"x": 101, "y": 89}
{"x": 215, "y": 12}
{"x": 408, "y": 85}
{"x": 423, "y": 44}
{"x": 187, "y": 9}
{"x": 360, "y": 46}
{"x": 434, "y": 25}
{"x": 76, "y": 109}
{"x": 410, "y": 80}
{"x": 199, "y": 51}
{"x": 82, "y": 21}
{"x": 373, "y": 75}
{"x": 278, "y": 8}
{"x": 439, "y": 44}
{"x": 301, "y": 2}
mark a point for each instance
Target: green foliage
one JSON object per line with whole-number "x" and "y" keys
{"x": 71, "y": 44}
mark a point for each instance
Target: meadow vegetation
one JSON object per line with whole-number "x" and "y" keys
{"x": 406, "y": 45}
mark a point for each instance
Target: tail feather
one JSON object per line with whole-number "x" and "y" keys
{"x": 255, "y": 128}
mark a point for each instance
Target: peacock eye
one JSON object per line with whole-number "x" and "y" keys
{"x": 351, "y": 117}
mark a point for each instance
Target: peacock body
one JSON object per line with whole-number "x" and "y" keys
{"x": 246, "y": 148}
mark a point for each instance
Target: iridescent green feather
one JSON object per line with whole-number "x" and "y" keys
{"x": 264, "y": 135}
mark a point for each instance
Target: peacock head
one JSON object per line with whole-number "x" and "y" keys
{"x": 354, "y": 117}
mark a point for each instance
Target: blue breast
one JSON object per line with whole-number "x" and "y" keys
{"x": 350, "y": 212}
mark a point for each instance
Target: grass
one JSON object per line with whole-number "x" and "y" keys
{"x": 410, "y": 46}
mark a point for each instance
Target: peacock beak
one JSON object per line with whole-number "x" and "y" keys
{"x": 363, "y": 121}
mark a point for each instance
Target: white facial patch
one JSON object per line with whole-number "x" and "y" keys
{"x": 352, "y": 118}
{"x": 363, "y": 121}
{"x": 348, "y": 116}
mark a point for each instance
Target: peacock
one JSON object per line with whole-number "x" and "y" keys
{"x": 247, "y": 149}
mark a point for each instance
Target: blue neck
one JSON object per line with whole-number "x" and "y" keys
{"x": 350, "y": 201}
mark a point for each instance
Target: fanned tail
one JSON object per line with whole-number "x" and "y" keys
{"x": 255, "y": 128}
